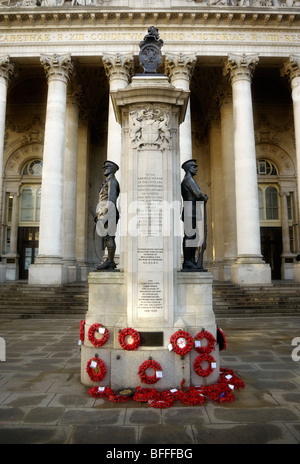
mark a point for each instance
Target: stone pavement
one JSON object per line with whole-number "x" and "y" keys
{"x": 43, "y": 402}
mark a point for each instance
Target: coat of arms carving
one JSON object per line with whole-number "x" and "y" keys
{"x": 149, "y": 127}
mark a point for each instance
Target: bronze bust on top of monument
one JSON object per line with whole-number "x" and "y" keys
{"x": 108, "y": 214}
{"x": 194, "y": 219}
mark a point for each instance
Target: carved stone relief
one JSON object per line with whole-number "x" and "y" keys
{"x": 204, "y": 3}
{"x": 280, "y": 157}
{"x": 20, "y": 156}
{"x": 149, "y": 126}
{"x": 31, "y": 132}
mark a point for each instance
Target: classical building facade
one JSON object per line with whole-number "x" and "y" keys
{"x": 59, "y": 61}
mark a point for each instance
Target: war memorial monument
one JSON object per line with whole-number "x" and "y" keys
{"x": 151, "y": 321}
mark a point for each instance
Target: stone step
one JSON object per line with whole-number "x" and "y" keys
{"x": 280, "y": 299}
{"x": 20, "y": 300}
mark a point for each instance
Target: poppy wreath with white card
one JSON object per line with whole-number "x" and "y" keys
{"x": 204, "y": 334}
{"x": 182, "y": 342}
{"x": 150, "y": 378}
{"x": 205, "y": 354}
{"x": 198, "y": 365}
{"x": 162, "y": 401}
{"x": 98, "y": 341}
{"x": 96, "y": 369}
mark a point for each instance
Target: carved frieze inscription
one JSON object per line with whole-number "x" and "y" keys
{"x": 269, "y": 36}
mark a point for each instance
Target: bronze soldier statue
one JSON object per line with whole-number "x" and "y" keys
{"x": 108, "y": 214}
{"x": 194, "y": 236}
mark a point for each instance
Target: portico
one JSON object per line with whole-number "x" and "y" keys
{"x": 60, "y": 78}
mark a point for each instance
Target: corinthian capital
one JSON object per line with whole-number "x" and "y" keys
{"x": 57, "y": 66}
{"x": 240, "y": 66}
{"x": 7, "y": 69}
{"x": 291, "y": 68}
{"x": 180, "y": 65}
{"x": 119, "y": 66}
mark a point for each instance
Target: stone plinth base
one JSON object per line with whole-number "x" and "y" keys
{"x": 122, "y": 368}
{"x": 11, "y": 261}
{"x": 2, "y": 273}
{"x": 297, "y": 272}
{"x": 251, "y": 274}
{"x": 47, "y": 274}
{"x": 107, "y": 306}
{"x": 107, "y": 299}
{"x": 43, "y": 273}
{"x": 194, "y": 301}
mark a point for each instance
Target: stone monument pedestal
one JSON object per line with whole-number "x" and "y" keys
{"x": 149, "y": 293}
{"x": 193, "y": 313}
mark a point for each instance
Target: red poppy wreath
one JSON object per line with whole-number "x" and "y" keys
{"x": 96, "y": 369}
{"x": 198, "y": 365}
{"x": 210, "y": 342}
{"x": 149, "y": 378}
{"x": 135, "y": 337}
{"x": 97, "y": 341}
{"x": 182, "y": 342}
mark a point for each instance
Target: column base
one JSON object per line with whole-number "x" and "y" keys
{"x": 287, "y": 266}
{"x": 12, "y": 266}
{"x": 83, "y": 271}
{"x": 2, "y": 273}
{"x": 47, "y": 274}
{"x": 297, "y": 272}
{"x": 73, "y": 271}
{"x": 251, "y": 273}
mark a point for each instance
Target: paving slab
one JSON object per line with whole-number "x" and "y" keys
{"x": 105, "y": 435}
{"x": 243, "y": 434}
{"x": 32, "y": 435}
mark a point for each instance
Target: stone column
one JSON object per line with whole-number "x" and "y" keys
{"x": 229, "y": 229}
{"x": 179, "y": 67}
{"x": 82, "y": 196}
{"x": 48, "y": 268}
{"x": 74, "y": 95}
{"x": 217, "y": 195}
{"x": 286, "y": 248}
{"x": 291, "y": 69}
{"x": 6, "y": 74}
{"x": 119, "y": 69}
{"x": 12, "y": 258}
{"x": 249, "y": 269}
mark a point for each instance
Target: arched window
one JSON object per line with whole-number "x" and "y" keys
{"x": 266, "y": 168}
{"x": 33, "y": 168}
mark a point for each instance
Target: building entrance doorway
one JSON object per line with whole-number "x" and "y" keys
{"x": 271, "y": 248}
{"x": 28, "y": 247}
